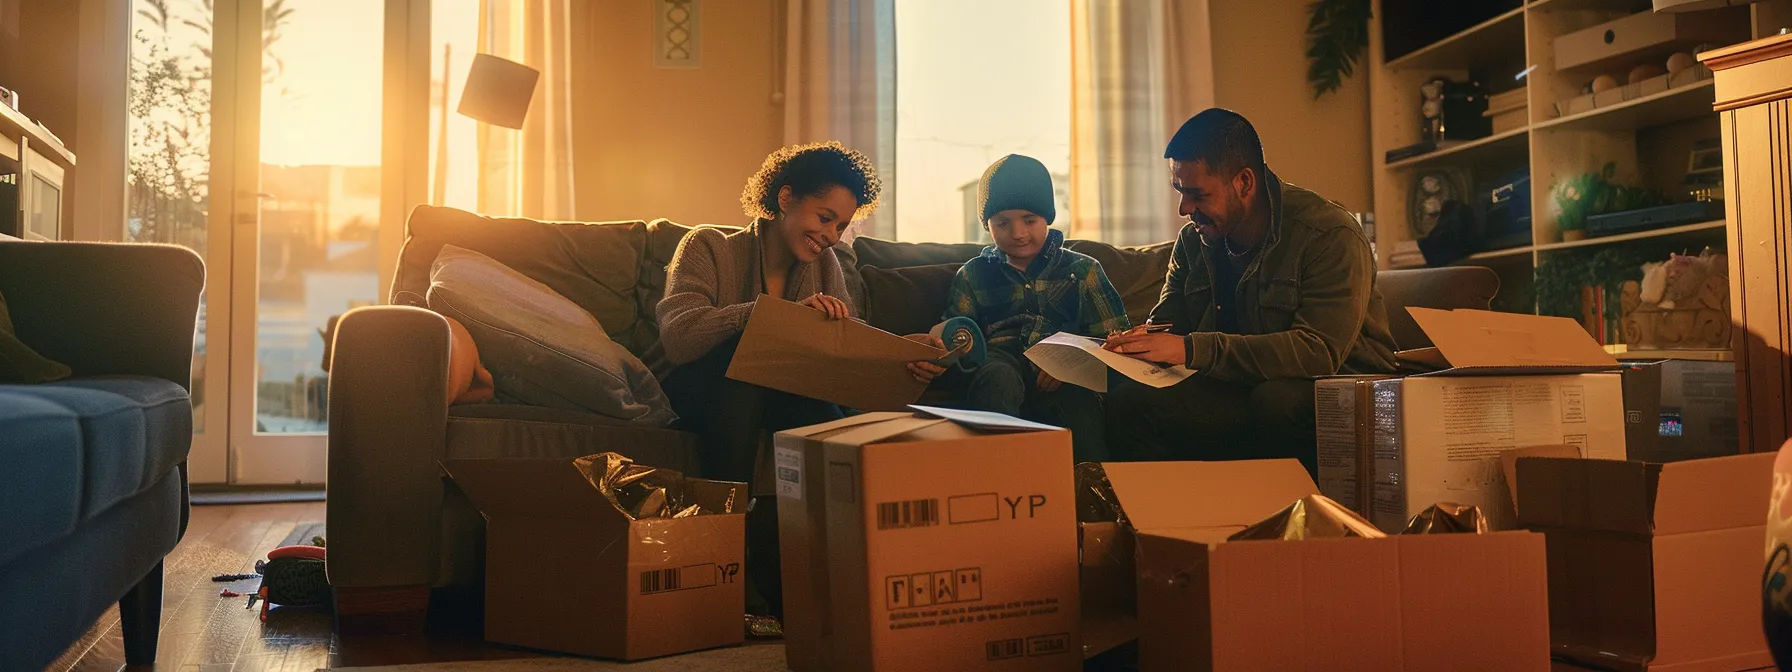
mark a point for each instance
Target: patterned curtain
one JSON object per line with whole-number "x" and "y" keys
{"x": 529, "y": 173}
{"x": 1139, "y": 68}
{"x": 839, "y": 83}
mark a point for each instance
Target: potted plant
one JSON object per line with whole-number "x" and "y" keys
{"x": 1589, "y": 194}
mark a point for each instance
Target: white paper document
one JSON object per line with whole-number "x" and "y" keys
{"x": 1079, "y": 360}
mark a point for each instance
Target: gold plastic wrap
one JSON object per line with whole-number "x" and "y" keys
{"x": 1448, "y": 518}
{"x": 1311, "y": 517}
{"x": 642, "y": 491}
{"x": 1095, "y": 500}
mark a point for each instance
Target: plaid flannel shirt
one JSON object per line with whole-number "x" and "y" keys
{"x": 1061, "y": 290}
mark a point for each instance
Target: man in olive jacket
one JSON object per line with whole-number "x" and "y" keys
{"x": 1269, "y": 286}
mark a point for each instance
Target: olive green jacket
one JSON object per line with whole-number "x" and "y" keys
{"x": 1308, "y": 305}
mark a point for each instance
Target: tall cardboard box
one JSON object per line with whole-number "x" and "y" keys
{"x": 567, "y": 571}
{"x": 1653, "y": 566}
{"x": 1419, "y": 602}
{"x": 1511, "y": 381}
{"x": 912, "y": 542}
{"x": 1678, "y": 409}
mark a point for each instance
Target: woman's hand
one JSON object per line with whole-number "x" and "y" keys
{"x": 835, "y": 308}
{"x": 1047, "y": 383}
{"x": 1157, "y": 348}
{"x": 924, "y": 370}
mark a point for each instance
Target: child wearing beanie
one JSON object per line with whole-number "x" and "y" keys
{"x": 1025, "y": 287}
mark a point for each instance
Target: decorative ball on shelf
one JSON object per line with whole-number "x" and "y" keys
{"x": 1644, "y": 71}
{"x": 1680, "y": 61}
{"x": 1604, "y": 83}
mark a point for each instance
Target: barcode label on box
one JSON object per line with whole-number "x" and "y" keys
{"x": 789, "y": 465}
{"x": 1005, "y": 648}
{"x": 912, "y": 513}
{"x": 688, "y": 577}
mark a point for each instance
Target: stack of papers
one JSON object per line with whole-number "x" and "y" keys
{"x": 1080, "y": 360}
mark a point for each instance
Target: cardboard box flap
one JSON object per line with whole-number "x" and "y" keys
{"x": 1644, "y": 498}
{"x": 1166, "y": 495}
{"x": 535, "y": 488}
{"x": 936, "y": 423}
{"x": 1717, "y": 493}
{"x": 846, "y": 423}
{"x": 1511, "y": 342}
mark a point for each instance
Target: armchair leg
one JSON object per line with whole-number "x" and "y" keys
{"x": 140, "y": 618}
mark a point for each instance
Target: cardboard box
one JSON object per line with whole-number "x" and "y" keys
{"x": 565, "y": 570}
{"x": 1653, "y": 566}
{"x": 795, "y": 349}
{"x": 1108, "y": 585}
{"x": 1630, "y": 39}
{"x": 1420, "y": 602}
{"x": 911, "y": 542}
{"x": 1510, "y": 381}
{"x": 1680, "y": 410}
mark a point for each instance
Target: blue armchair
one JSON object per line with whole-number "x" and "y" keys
{"x": 93, "y": 488}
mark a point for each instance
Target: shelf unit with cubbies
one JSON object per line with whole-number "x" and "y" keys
{"x": 1648, "y": 136}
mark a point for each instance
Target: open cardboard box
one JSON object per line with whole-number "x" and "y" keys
{"x": 567, "y": 571}
{"x": 1504, "y": 381}
{"x": 914, "y": 542}
{"x": 1653, "y": 566}
{"x": 1419, "y": 602}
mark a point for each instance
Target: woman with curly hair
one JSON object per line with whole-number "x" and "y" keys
{"x": 802, "y": 200}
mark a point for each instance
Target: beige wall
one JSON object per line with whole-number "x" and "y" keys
{"x": 40, "y": 63}
{"x": 671, "y": 143}
{"x": 1260, "y": 71}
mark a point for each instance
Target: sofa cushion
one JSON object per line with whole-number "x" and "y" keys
{"x": 1137, "y": 273}
{"x": 541, "y": 348}
{"x": 889, "y": 254}
{"x": 76, "y": 447}
{"x": 595, "y": 265}
{"x": 515, "y": 430}
{"x": 907, "y": 300}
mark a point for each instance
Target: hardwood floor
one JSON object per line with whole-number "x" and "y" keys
{"x": 206, "y": 633}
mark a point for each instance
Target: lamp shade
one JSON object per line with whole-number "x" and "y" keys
{"x": 498, "y": 91}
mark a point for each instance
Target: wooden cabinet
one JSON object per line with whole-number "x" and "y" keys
{"x": 34, "y": 173}
{"x": 1754, "y": 101}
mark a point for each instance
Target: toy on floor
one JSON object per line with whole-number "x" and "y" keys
{"x": 292, "y": 576}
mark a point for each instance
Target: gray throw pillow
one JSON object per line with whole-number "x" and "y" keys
{"x": 542, "y": 348}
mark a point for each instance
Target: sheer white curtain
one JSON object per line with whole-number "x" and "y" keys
{"x": 529, "y": 172}
{"x": 839, "y": 83}
{"x": 1139, "y": 68}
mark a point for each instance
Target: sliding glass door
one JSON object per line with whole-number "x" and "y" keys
{"x": 255, "y": 140}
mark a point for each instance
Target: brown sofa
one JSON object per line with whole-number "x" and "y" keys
{"x": 398, "y": 529}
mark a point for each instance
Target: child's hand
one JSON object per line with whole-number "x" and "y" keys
{"x": 835, "y": 308}
{"x": 923, "y": 370}
{"x": 1047, "y": 383}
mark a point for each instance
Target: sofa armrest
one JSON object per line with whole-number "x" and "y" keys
{"x": 106, "y": 308}
{"x": 388, "y": 417}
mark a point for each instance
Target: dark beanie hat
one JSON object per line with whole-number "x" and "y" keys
{"x": 1016, "y": 182}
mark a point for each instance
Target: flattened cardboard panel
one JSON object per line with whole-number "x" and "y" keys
{"x": 537, "y": 488}
{"x": 799, "y": 350}
{"x": 1164, "y": 495}
{"x": 1509, "y": 465}
{"x": 587, "y": 616}
{"x": 1601, "y": 596}
{"x": 887, "y": 430}
{"x": 1714, "y": 493}
{"x": 1608, "y": 495}
{"x": 1481, "y": 338}
{"x": 1275, "y": 605}
{"x": 1498, "y": 582}
{"x": 1708, "y": 597}
{"x": 1175, "y": 618}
